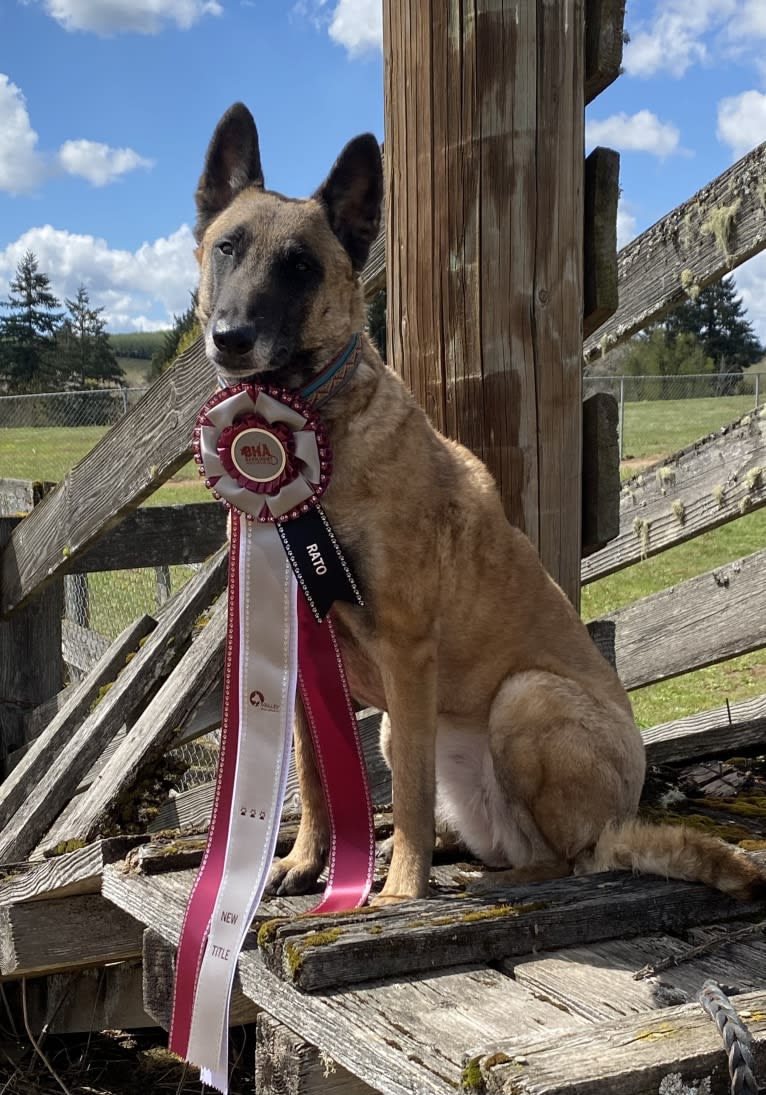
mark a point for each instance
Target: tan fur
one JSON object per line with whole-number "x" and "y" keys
{"x": 468, "y": 645}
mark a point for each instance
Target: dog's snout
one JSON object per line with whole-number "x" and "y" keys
{"x": 233, "y": 339}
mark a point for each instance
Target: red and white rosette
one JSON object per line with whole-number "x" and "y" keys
{"x": 265, "y": 454}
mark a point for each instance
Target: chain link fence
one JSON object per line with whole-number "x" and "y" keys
{"x": 658, "y": 415}
{"x": 42, "y": 436}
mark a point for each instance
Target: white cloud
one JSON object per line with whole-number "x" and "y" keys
{"x": 139, "y": 289}
{"x": 98, "y": 163}
{"x": 673, "y": 40}
{"x": 355, "y": 24}
{"x": 640, "y": 132}
{"x": 742, "y": 121}
{"x": 358, "y": 25}
{"x": 107, "y": 17}
{"x": 751, "y": 285}
{"x": 627, "y": 226}
{"x": 21, "y": 164}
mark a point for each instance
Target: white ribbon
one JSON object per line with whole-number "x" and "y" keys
{"x": 268, "y": 660}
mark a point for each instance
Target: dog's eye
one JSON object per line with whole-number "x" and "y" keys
{"x": 226, "y": 247}
{"x": 301, "y": 266}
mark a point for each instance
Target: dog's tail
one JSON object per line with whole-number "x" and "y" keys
{"x": 677, "y": 851}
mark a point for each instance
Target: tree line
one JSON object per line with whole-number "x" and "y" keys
{"x": 45, "y": 348}
{"x": 709, "y": 334}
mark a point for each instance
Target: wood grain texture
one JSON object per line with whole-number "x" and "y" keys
{"x": 75, "y": 872}
{"x": 109, "y": 998}
{"x": 628, "y": 1056}
{"x": 158, "y": 536}
{"x": 484, "y": 181}
{"x": 19, "y": 496}
{"x": 602, "y": 190}
{"x": 45, "y": 799}
{"x": 65, "y": 933}
{"x": 598, "y": 982}
{"x": 724, "y": 731}
{"x": 600, "y": 472}
{"x": 716, "y": 480}
{"x": 425, "y": 935}
{"x": 696, "y": 623}
{"x": 604, "y": 23}
{"x": 151, "y": 733}
{"x": 684, "y": 249}
{"x": 286, "y": 1064}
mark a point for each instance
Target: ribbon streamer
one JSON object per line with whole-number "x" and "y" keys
{"x": 260, "y": 448}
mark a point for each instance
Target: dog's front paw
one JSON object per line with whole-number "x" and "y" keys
{"x": 289, "y": 877}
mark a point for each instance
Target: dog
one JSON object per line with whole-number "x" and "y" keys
{"x": 503, "y": 723}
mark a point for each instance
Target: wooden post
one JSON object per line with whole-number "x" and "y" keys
{"x": 31, "y": 669}
{"x": 484, "y": 181}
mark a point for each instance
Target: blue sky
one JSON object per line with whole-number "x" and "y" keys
{"x": 106, "y": 108}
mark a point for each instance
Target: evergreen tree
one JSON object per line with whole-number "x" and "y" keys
{"x": 27, "y": 332}
{"x": 655, "y": 353}
{"x": 85, "y": 352}
{"x": 717, "y": 319}
{"x": 180, "y": 336}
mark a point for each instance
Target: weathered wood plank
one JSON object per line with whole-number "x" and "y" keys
{"x": 158, "y": 536}
{"x": 286, "y": 1064}
{"x": 696, "y": 623}
{"x": 598, "y": 982}
{"x": 31, "y": 669}
{"x": 75, "y": 872}
{"x": 484, "y": 139}
{"x": 602, "y": 191}
{"x": 712, "y": 482}
{"x": 152, "y": 731}
{"x": 629, "y": 1056}
{"x": 694, "y": 245}
{"x": 64, "y": 933}
{"x": 109, "y": 998}
{"x": 42, "y": 752}
{"x": 19, "y": 496}
{"x": 600, "y": 472}
{"x": 723, "y": 731}
{"x": 604, "y": 23}
{"x": 36, "y": 721}
{"x": 54, "y": 788}
{"x": 419, "y": 936}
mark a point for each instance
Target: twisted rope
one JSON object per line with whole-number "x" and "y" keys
{"x": 735, "y": 1036}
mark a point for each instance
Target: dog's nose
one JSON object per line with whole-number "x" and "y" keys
{"x": 234, "y": 340}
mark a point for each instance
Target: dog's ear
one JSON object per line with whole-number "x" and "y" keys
{"x": 233, "y": 162}
{"x": 352, "y": 194}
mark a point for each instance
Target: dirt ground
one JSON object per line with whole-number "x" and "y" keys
{"x": 113, "y": 1063}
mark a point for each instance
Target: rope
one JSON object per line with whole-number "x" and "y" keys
{"x": 735, "y": 1036}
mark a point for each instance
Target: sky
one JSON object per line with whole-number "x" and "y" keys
{"x": 107, "y": 106}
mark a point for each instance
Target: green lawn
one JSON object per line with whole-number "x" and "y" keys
{"x": 659, "y": 427}
{"x": 47, "y": 453}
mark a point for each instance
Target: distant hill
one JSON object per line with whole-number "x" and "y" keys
{"x": 140, "y": 344}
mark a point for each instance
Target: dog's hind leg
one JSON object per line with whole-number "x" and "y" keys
{"x": 566, "y": 765}
{"x": 298, "y": 872}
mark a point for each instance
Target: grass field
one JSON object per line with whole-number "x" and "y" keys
{"x": 652, "y": 430}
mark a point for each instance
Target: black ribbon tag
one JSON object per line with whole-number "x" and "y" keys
{"x": 318, "y": 562}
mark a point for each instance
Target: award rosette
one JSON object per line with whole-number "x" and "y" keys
{"x": 264, "y": 453}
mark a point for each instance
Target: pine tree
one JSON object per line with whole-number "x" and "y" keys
{"x": 180, "y": 336}
{"x": 84, "y": 347}
{"x": 27, "y": 332}
{"x": 717, "y": 319}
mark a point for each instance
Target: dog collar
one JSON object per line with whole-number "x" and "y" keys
{"x": 333, "y": 377}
